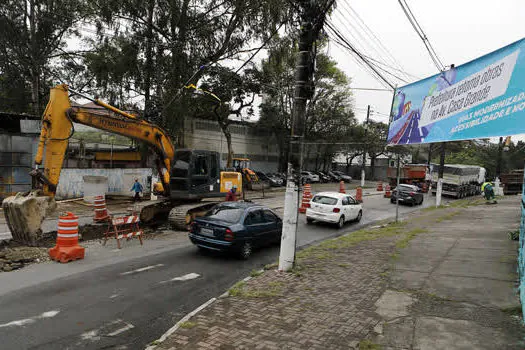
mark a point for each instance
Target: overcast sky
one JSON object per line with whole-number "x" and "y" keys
{"x": 459, "y": 30}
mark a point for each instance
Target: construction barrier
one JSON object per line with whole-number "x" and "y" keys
{"x": 359, "y": 194}
{"x": 342, "y": 187}
{"x": 380, "y": 186}
{"x": 388, "y": 191}
{"x": 101, "y": 212}
{"x": 307, "y": 197}
{"x": 124, "y": 227}
{"x": 67, "y": 248}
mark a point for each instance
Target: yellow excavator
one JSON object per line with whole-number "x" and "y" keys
{"x": 243, "y": 165}
{"x": 186, "y": 176}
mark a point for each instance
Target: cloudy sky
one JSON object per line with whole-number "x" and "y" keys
{"x": 459, "y": 31}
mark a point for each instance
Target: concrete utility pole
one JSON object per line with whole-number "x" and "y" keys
{"x": 312, "y": 19}
{"x": 439, "y": 189}
{"x": 363, "y": 165}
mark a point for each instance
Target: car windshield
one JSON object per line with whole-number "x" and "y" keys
{"x": 225, "y": 213}
{"x": 325, "y": 200}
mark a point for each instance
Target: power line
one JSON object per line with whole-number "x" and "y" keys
{"x": 356, "y": 52}
{"x": 412, "y": 19}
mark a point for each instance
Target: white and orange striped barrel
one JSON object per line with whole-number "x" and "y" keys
{"x": 67, "y": 233}
{"x": 101, "y": 212}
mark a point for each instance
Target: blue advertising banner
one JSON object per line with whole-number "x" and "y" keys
{"x": 479, "y": 99}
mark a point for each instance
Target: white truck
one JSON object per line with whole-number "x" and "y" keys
{"x": 459, "y": 180}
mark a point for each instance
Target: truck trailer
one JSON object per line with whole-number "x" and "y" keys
{"x": 459, "y": 180}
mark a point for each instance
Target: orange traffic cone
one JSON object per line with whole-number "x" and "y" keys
{"x": 359, "y": 194}
{"x": 307, "y": 196}
{"x": 388, "y": 192}
{"x": 379, "y": 186}
{"x": 101, "y": 212}
{"x": 342, "y": 187}
{"x": 67, "y": 248}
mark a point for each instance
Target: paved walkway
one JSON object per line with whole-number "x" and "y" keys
{"x": 442, "y": 279}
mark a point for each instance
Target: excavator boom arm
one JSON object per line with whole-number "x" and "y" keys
{"x": 57, "y": 128}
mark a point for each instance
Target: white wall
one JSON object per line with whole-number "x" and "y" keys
{"x": 120, "y": 181}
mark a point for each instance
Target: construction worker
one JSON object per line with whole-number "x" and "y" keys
{"x": 137, "y": 188}
{"x": 231, "y": 196}
{"x": 488, "y": 191}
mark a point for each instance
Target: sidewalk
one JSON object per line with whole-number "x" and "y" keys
{"x": 442, "y": 279}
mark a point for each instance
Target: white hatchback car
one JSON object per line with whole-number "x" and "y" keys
{"x": 334, "y": 207}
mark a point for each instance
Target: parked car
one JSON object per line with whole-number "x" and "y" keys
{"x": 334, "y": 207}
{"x": 237, "y": 227}
{"x": 334, "y": 177}
{"x": 322, "y": 176}
{"x": 273, "y": 180}
{"x": 343, "y": 176}
{"x": 310, "y": 177}
{"x": 408, "y": 194}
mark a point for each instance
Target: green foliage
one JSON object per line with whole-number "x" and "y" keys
{"x": 188, "y": 325}
{"x": 367, "y": 344}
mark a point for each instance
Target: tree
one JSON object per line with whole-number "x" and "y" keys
{"x": 375, "y": 143}
{"x": 226, "y": 95}
{"x": 175, "y": 43}
{"x": 32, "y": 34}
{"x": 329, "y": 117}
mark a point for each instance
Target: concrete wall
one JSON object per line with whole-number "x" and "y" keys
{"x": 119, "y": 181}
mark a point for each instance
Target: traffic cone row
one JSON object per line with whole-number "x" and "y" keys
{"x": 342, "y": 187}
{"x": 67, "y": 248}
{"x": 307, "y": 197}
{"x": 379, "y": 186}
{"x": 388, "y": 191}
{"x": 101, "y": 212}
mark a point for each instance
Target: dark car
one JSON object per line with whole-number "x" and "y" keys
{"x": 408, "y": 194}
{"x": 236, "y": 227}
{"x": 343, "y": 176}
{"x": 322, "y": 176}
{"x": 334, "y": 177}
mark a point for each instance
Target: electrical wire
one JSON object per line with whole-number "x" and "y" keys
{"x": 412, "y": 19}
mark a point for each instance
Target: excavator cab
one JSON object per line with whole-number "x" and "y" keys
{"x": 196, "y": 174}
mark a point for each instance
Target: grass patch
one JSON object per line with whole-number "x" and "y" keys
{"x": 513, "y": 311}
{"x": 424, "y": 210}
{"x": 270, "y": 266}
{"x": 188, "y": 325}
{"x": 256, "y": 273}
{"x": 273, "y": 289}
{"x": 368, "y": 345}
{"x": 403, "y": 243}
{"x": 343, "y": 265}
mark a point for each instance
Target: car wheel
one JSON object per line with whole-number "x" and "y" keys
{"x": 359, "y": 216}
{"x": 246, "y": 250}
{"x": 309, "y": 220}
{"x": 341, "y": 222}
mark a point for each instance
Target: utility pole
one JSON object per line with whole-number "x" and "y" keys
{"x": 312, "y": 19}
{"x": 499, "y": 160}
{"x": 439, "y": 189}
{"x": 363, "y": 165}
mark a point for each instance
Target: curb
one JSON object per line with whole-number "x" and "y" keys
{"x": 191, "y": 314}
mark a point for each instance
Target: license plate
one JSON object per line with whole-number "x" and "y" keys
{"x": 207, "y": 231}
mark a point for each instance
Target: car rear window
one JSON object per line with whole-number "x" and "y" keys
{"x": 325, "y": 200}
{"x": 225, "y": 213}
{"x": 406, "y": 188}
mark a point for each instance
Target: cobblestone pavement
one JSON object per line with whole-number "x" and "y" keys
{"x": 337, "y": 298}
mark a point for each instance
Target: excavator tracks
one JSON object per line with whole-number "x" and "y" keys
{"x": 182, "y": 215}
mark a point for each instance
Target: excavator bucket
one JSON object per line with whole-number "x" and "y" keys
{"x": 25, "y": 213}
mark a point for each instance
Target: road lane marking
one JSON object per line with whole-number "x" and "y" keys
{"x": 187, "y": 277}
{"x": 113, "y": 296}
{"x": 127, "y": 327}
{"x": 142, "y": 269}
{"x": 26, "y": 321}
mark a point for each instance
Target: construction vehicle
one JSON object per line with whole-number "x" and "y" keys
{"x": 459, "y": 180}
{"x": 411, "y": 174}
{"x": 512, "y": 182}
{"x": 249, "y": 177}
{"x": 186, "y": 176}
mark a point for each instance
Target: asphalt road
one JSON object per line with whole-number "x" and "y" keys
{"x": 129, "y": 304}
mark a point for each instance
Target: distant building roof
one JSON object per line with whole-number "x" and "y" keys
{"x": 10, "y": 122}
